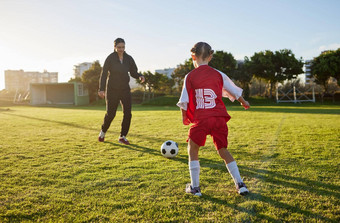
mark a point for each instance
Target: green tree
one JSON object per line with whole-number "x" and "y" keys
{"x": 152, "y": 83}
{"x": 224, "y": 62}
{"x": 157, "y": 81}
{"x": 170, "y": 83}
{"x": 243, "y": 75}
{"x": 337, "y": 72}
{"x": 76, "y": 79}
{"x": 180, "y": 72}
{"x": 166, "y": 84}
{"x": 326, "y": 65}
{"x": 261, "y": 65}
{"x": 91, "y": 78}
{"x": 275, "y": 66}
{"x": 287, "y": 66}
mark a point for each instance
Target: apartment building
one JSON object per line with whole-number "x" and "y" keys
{"x": 21, "y": 80}
{"x": 81, "y": 68}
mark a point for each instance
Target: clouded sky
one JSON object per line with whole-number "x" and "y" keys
{"x": 55, "y": 35}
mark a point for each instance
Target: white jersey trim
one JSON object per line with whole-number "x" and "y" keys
{"x": 230, "y": 90}
{"x": 184, "y": 99}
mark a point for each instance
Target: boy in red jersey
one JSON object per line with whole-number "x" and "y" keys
{"x": 201, "y": 104}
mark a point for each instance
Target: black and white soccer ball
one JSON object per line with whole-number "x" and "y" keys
{"x": 169, "y": 149}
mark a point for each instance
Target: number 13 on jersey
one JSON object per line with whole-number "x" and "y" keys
{"x": 205, "y": 98}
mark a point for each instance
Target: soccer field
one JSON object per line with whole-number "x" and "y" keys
{"x": 52, "y": 169}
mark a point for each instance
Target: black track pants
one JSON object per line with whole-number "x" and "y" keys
{"x": 112, "y": 100}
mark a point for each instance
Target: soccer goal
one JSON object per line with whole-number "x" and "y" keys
{"x": 295, "y": 95}
{"x": 20, "y": 97}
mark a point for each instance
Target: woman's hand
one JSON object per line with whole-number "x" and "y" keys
{"x": 101, "y": 94}
{"x": 142, "y": 79}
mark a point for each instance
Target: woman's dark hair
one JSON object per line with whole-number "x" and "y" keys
{"x": 202, "y": 49}
{"x": 117, "y": 41}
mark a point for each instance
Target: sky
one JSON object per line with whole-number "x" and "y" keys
{"x": 55, "y": 35}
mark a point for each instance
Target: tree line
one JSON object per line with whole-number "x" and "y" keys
{"x": 267, "y": 66}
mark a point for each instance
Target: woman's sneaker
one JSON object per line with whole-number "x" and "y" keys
{"x": 101, "y": 136}
{"x": 193, "y": 190}
{"x": 122, "y": 139}
{"x": 242, "y": 188}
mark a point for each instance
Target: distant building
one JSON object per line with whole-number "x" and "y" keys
{"x": 21, "y": 80}
{"x": 239, "y": 62}
{"x": 166, "y": 71}
{"x": 81, "y": 68}
{"x": 59, "y": 94}
{"x": 308, "y": 71}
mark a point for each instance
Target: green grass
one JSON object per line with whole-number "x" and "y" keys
{"x": 52, "y": 169}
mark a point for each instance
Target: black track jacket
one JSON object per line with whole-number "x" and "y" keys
{"x": 117, "y": 72}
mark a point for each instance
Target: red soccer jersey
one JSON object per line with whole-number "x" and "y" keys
{"x": 202, "y": 93}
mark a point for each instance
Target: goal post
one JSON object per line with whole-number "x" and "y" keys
{"x": 295, "y": 95}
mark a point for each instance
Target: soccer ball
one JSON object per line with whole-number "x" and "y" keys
{"x": 169, "y": 149}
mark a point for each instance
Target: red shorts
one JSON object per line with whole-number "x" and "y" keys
{"x": 214, "y": 126}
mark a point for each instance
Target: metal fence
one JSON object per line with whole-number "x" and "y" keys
{"x": 295, "y": 95}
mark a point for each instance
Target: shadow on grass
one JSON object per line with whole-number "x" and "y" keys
{"x": 24, "y": 216}
{"x": 248, "y": 211}
{"x": 318, "y": 188}
{"x": 299, "y": 183}
{"x": 151, "y": 151}
{"x": 274, "y": 203}
{"x": 52, "y": 121}
{"x": 152, "y": 139}
{"x": 183, "y": 158}
{"x": 290, "y": 209}
{"x": 280, "y": 180}
{"x": 6, "y": 110}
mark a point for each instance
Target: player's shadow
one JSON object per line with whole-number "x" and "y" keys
{"x": 270, "y": 201}
{"x": 52, "y": 121}
{"x": 182, "y": 158}
{"x": 280, "y": 180}
{"x": 317, "y": 187}
{"x": 135, "y": 148}
{"x": 74, "y": 125}
{"x": 250, "y": 210}
{"x": 269, "y": 176}
{"x": 5, "y": 110}
{"x": 151, "y": 151}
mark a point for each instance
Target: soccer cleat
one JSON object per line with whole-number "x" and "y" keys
{"x": 101, "y": 136}
{"x": 195, "y": 191}
{"x": 122, "y": 139}
{"x": 242, "y": 188}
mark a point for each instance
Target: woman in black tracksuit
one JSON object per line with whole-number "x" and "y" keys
{"x": 115, "y": 80}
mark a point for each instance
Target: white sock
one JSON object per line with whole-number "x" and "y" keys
{"x": 194, "y": 168}
{"x": 101, "y": 134}
{"x": 234, "y": 172}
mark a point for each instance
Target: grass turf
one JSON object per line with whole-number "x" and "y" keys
{"x": 53, "y": 169}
